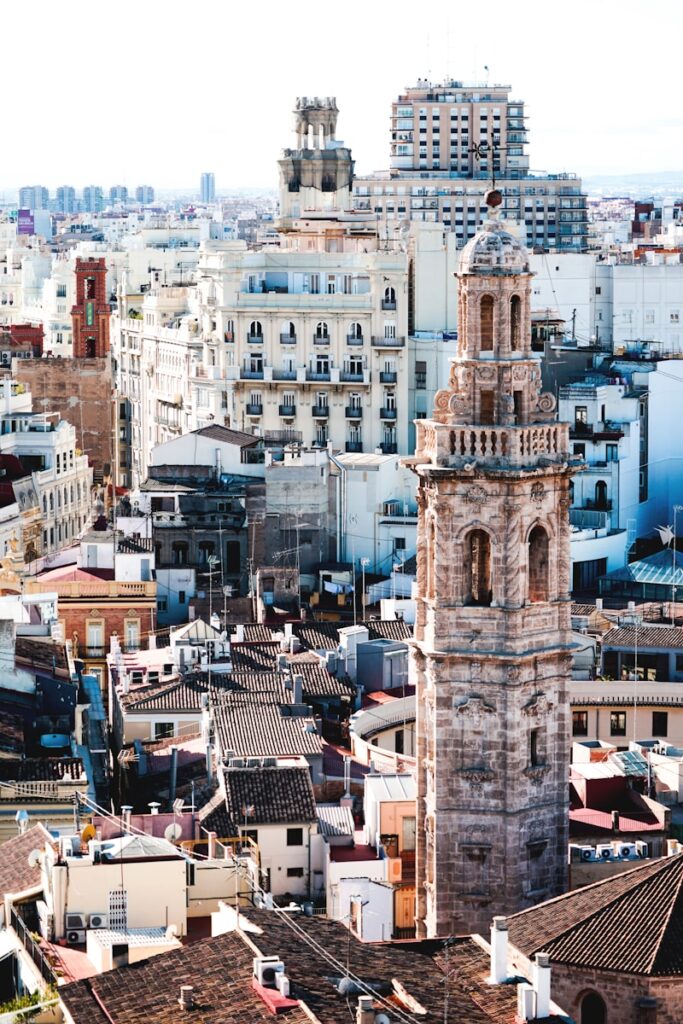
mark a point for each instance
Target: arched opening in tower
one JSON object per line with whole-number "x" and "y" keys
{"x": 486, "y": 323}
{"x": 538, "y": 564}
{"x": 515, "y": 323}
{"x": 478, "y": 568}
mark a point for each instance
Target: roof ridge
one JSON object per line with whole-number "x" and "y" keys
{"x": 667, "y": 919}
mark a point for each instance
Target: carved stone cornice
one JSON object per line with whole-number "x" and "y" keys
{"x": 538, "y": 707}
{"x": 474, "y": 707}
{"x": 536, "y": 773}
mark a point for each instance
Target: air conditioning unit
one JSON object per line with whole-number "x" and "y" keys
{"x": 587, "y": 853}
{"x": 46, "y": 920}
{"x": 627, "y": 850}
{"x": 604, "y": 851}
{"x": 282, "y": 985}
{"x": 266, "y": 969}
{"x": 98, "y": 921}
{"x": 70, "y": 846}
{"x": 74, "y": 921}
{"x": 76, "y": 937}
{"x": 642, "y": 848}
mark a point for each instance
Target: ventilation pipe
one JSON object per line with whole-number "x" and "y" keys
{"x": 154, "y": 807}
{"x": 186, "y": 1000}
{"x": 540, "y": 976}
{"x": 173, "y": 774}
{"x": 365, "y": 1012}
{"x": 126, "y": 810}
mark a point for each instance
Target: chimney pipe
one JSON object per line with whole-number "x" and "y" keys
{"x": 172, "y": 774}
{"x": 211, "y": 842}
{"x": 298, "y": 682}
{"x": 125, "y": 816}
{"x": 499, "y": 951}
{"x": 154, "y": 807}
{"x": 186, "y": 1000}
{"x": 365, "y": 1012}
{"x": 540, "y": 976}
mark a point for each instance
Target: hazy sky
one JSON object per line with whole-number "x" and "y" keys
{"x": 156, "y": 91}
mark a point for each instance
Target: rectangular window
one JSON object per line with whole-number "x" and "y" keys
{"x": 163, "y": 730}
{"x": 420, "y": 375}
{"x": 295, "y": 872}
{"x": 660, "y": 723}
{"x": 579, "y": 723}
{"x": 534, "y": 755}
{"x": 617, "y": 723}
{"x": 295, "y": 837}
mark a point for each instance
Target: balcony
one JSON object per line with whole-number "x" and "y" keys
{"x": 353, "y": 412}
{"x": 317, "y": 375}
{"x": 284, "y": 374}
{"x": 254, "y": 409}
{"x": 387, "y": 414}
{"x": 388, "y": 376}
{"x": 248, "y": 374}
{"x": 354, "y": 377}
{"x": 352, "y": 339}
{"x": 324, "y": 340}
{"x": 387, "y": 304}
{"x": 132, "y": 647}
{"x": 94, "y": 652}
{"x": 388, "y": 342}
{"x": 354, "y": 446}
{"x": 287, "y": 410}
{"x": 388, "y": 448}
{"x": 288, "y": 339}
{"x": 321, "y": 412}
{"x": 254, "y": 339}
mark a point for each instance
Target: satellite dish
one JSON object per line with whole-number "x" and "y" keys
{"x": 173, "y": 832}
{"x": 381, "y": 1018}
{"x": 344, "y": 986}
{"x": 88, "y": 833}
{"x": 34, "y": 858}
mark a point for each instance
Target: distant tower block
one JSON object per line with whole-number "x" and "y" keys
{"x": 315, "y": 121}
{"x": 91, "y": 312}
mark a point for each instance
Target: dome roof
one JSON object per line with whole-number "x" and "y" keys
{"x": 493, "y": 249}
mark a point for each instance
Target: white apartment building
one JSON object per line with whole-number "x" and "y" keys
{"x": 605, "y": 514}
{"x": 61, "y": 476}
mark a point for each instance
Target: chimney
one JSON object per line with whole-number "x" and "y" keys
{"x": 239, "y": 632}
{"x": 365, "y": 1012}
{"x": 540, "y": 976}
{"x": 526, "y": 998}
{"x": 288, "y": 630}
{"x": 209, "y": 763}
{"x": 125, "y": 816}
{"x": 152, "y": 642}
{"x": 186, "y": 1000}
{"x": 154, "y": 807}
{"x": 298, "y": 689}
{"x": 172, "y": 774}
{"x": 598, "y": 604}
{"x": 615, "y": 821}
{"x": 211, "y": 843}
{"x": 499, "y": 951}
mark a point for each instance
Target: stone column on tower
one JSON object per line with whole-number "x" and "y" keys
{"x": 493, "y": 633}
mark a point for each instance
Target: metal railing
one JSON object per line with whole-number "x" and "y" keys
{"x": 254, "y": 409}
{"x": 32, "y": 948}
{"x": 351, "y": 339}
{"x": 353, "y": 412}
{"x": 286, "y": 410}
{"x": 398, "y": 342}
{"x": 387, "y": 414}
{"x": 388, "y": 376}
{"x": 254, "y": 339}
{"x": 288, "y": 339}
{"x": 321, "y": 411}
{"x": 354, "y": 446}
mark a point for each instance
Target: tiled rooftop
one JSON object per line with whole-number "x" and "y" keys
{"x": 15, "y": 873}
{"x": 277, "y": 795}
{"x": 654, "y": 637}
{"x": 632, "y": 923}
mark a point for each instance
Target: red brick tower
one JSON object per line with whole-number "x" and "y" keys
{"x": 90, "y": 315}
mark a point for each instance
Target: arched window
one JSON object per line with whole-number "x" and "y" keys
{"x": 601, "y": 494}
{"x": 355, "y": 332}
{"x": 486, "y": 323}
{"x": 593, "y": 1009}
{"x": 230, "y": 330}
{"x": 179, "y": 553}
{"x": 538, "y": 564}
{"x": 206, "y": 549}
{"x": 322, "y": 331}
{"x": 478, "y": 568}
{"x": 515, "y": 323}
{"x": 389, "y": 300}
{"x": 255, "y": 331}
{"x": 288, "y": 331}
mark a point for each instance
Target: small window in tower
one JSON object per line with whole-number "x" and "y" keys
{"x": 534, "y": 750}
{"x": 515, "y": 323}
{"x": 518, "y": 400}
{"x": 90, "y": 287}
{"x": 538, "y": 564}
{"x": 486, "y": 323}
{"x": 478, "y": 568}
{"x": 486, "y": 415}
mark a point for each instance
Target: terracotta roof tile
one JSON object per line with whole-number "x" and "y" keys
{"x": 277, "y": 795}
{"x": 15, "y": 873}
{"x": 632, "y": 923}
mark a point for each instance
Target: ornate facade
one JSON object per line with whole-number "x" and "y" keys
{"x": 493, "y": 624}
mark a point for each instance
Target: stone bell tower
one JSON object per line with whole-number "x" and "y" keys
{"x": 492, "y": 639}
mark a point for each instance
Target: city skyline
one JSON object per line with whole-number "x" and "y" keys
{"x": 585, "y": 114}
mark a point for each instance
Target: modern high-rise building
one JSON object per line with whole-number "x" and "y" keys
{"x": 448, "y": 141}
{"x": 65, "y": 199}
{"x": 492, "y": 652}
{"x": 144, "y": 194}
{"x": 118, "y": 194}
{"x": 34, "y": 197}
{"x": 207, "y": 187}
{"x": 93, "y": 199}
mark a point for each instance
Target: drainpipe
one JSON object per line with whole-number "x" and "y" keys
{"x": 309, "y": 861}
{"x": 341, "y": 506}
{"x": 173, "y": 775}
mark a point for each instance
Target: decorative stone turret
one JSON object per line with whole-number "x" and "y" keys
{"x": 317, "y": 176}
{"x": 492, "y": 642}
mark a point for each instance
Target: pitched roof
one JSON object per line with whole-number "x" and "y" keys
{"x": 334, "y": 820}
{"x": 218, "y": 433}
{"x": 277, "y": 795}
{"x": 261, "y": 729}
{"x": 47, "y": 769}
{"x": 631, "y": 923}
{"x": 654, "y": 637}
{"x": 15, "y": 873}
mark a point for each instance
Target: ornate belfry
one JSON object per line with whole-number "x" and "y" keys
{"x": 492, "y": 638}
